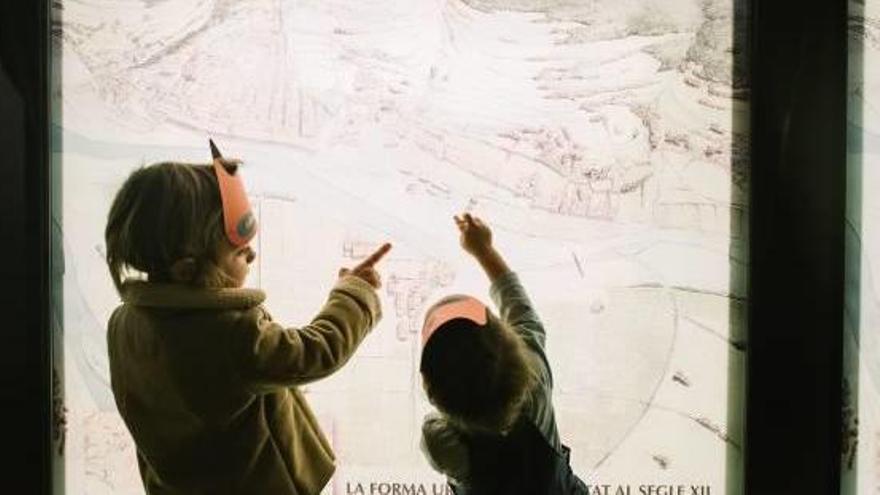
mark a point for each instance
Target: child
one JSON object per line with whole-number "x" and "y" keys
{"x": 204, "y": 379}
{"x": 490, "y": 379}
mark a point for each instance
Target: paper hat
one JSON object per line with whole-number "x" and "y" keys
{"x": 468, "y": 308}
{"x": 239, "y": 222}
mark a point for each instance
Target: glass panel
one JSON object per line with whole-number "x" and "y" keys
{"x": 860, "y": 471}
{"x": 604, "y": 140}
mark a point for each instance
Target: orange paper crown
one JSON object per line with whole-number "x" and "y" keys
{"x": 238, "y": 220}
{"x": 468, "y": 308}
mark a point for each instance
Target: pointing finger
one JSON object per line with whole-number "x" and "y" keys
{"x": 374, "y": 258}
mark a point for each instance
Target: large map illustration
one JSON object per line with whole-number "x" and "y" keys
{"x": 604, "y": 140}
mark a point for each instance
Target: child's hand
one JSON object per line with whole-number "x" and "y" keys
{"x": 365, "y": 270}
{"x": 476, "y": 237}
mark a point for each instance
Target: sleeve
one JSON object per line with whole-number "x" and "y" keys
{"x": 443, "y": 447}
{"x": 273, "y": 356}
{"x": 516, "y": 309}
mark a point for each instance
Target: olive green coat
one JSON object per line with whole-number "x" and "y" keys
{"x": 206, "y": 383}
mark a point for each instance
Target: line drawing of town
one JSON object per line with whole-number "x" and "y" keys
{"x": 604, "y": 141}
{"x": 861, "y": 387}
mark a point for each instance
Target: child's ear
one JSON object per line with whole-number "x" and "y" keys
{"x": 183, "y": 270}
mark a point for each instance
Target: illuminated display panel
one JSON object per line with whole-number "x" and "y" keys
{"x": 604, "y": 141}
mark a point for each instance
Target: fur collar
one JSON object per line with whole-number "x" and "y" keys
{"x": 165, "y": 295}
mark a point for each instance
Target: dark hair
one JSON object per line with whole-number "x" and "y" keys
{"x": 163, "y": 213}
{"x": 480, "y": 376}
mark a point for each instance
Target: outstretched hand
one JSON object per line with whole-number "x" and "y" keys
{"x": 365, "y": 270}
{"x": 476, "y": 239}
{"x": 476, "y": 236}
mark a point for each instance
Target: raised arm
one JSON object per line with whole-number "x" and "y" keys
{"x": 514, "y": 306}
{"x": 476, "y": 239}
{"x": 273, "y": 356}
{"x": 513, "y": 303}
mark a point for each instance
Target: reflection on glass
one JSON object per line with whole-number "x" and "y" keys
{"x": 604, "y": 140}
{"x": 861, "y": 387}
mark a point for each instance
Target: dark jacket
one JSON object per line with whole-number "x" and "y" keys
{"x": 206, "y": 383}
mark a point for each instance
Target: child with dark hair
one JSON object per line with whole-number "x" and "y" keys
{"x": 490, "y": 379}
{"x": 204, "y": 379}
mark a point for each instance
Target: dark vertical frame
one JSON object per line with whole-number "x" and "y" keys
{"x": 25, "y": 349}
{"x": 798, "y": 61}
